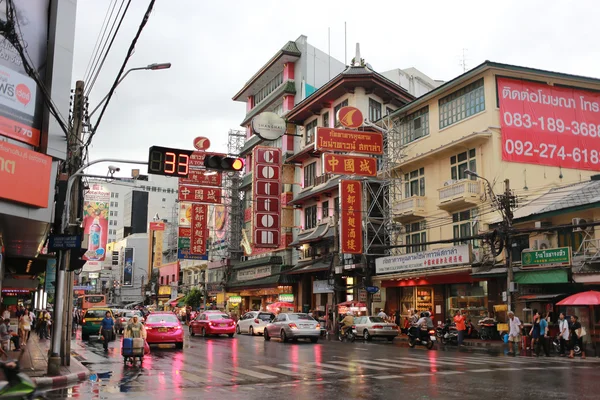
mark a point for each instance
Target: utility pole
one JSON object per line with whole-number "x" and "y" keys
{"x": 507, "y": 204}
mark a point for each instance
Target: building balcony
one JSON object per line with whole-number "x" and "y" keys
{"x": 409, "y": 210}
{"x": 321, "y": 179}
{"x": 460, "y": 194}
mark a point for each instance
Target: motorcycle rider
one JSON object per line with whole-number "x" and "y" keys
{"x": 347, "y": 322}
{"x": 423, "y": 325}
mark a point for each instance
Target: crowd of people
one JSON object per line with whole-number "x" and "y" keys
{"x": 28, "y": 320}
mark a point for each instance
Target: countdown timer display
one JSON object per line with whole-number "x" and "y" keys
{"x": 169, "y": 162}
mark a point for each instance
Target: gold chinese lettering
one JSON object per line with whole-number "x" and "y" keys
{"x": 352, "y": 222}
{"x": 365, "y": 167}
{"x": 349, "y": 165}
{"x": 351, "y": 188}
{"x": 351, "y": 244}
{"x": 333, "y": 162}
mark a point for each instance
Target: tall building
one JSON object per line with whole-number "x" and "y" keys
{"x": 412, "y": 80}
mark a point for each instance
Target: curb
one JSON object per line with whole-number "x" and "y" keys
{"x": 60, "y": 381}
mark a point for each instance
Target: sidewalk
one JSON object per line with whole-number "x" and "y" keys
{"x": 34, "y": 362}
{"x": 496, "y": 345}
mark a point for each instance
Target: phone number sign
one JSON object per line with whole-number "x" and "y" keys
{"x": 549, "y": 125}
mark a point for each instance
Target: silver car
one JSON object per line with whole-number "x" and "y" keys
{"x": 293, "y": 326}
{"x": 254, "y": 322}
{"x": 370, "y": 327}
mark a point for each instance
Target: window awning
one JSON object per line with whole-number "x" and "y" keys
{"x": 532, "y": 297}
{"x": 538, "y": 277}
{"x": 175, "y": 301}
{"x": 322, "y": 231}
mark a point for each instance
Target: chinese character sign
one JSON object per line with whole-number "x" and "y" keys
{"x": 199, "y": 229}
{"x": 351, "y": 232}
{"x": 200, "y": 194}
{"x": 203, "y": 177}
{"x": 266, "y": 183}
{"x": 349, "y": 165}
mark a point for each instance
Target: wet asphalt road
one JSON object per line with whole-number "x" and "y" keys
{"x": 249, "y": 368}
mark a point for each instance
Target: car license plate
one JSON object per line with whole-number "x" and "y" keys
{"x": 432, "y": 338}
{"x": 162, "y": 329}
{"x": 387, "y": 328}
{"x": 222, "y": 324}
{"x": 304, "y": 326}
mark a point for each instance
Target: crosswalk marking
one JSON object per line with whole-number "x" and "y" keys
{"x": 389, "y": 376}
{"x": 279, "y": 370}
{"x": 361, "y": 365}
{"x": 386, "y": 364}
{"x": 349, "y": 364}
{"x": 225, "y": 376}
{"x": 193, "y": 378}
{"x": 420, "y": 374}
{"x": 450, "y": 372}
{"x": 481, "y": 370}
{"x": 507, "y": 369}
{"x": 303, "y": 368}
{"x": 430, "y": 360}
{"x": 253, "y": 374}
{"x": 411, "y": 364}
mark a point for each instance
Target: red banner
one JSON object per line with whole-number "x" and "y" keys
{"x": 266, "y": 184}
{"x": 202, "y": 177}
{"x": 200, "y": 194}
{"x": 349, "y": 165}
{"x": 185, "y": 232}
{"x": 157, "y": 226}
{"x": 549, "y": 125}
{"x": 329, "y": 139}
{"x": 199, "y": 231}
{"x": 351, "y": 232}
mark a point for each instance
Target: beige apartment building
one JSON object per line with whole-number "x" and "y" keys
{"x": 457, "y": 127}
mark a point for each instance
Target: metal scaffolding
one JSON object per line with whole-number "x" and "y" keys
{"x": 233, "y": 199}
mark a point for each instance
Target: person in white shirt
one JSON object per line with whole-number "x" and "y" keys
{"x": 6, "y": 314}
{"x": 382, "y": 314}
{"x": 563, "y": 329}
{"x": 514, "y": 334}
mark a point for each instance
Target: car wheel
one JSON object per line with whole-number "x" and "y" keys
{"x": 179, "y": 345}
{"x": 191, "y": 331}
{"x": 238, "y": 330}
{"x": 367, "y": 335}
{"x": 314, "y": 339}
{"x": 204, "y": 332}
{"x": 283, "y": 336}
{"x": 430, "y": 345}
{"x": 230, "y": 335}
{"x": 251, "y": 331}
{"x": 266, "y": 335}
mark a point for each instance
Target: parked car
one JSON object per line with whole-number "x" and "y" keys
{"x": 370, "y": 327}
{"x": 210, "y": 323}
{"x": 164, "y": 327}
{"x": 254, "y": 322}
{"x": 90, "y": 324}
{"x": 293, "y": 326}
{"x": 123, "y": 318}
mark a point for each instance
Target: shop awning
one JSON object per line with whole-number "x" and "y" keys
{"x": 274, "y": 279}
{"x": 316, "y": 265}
{"x": 175, "y": 301}
{"x": 539, "y": 277}
{"x": 318, "y": 233}
{"x": 532, "y": 297}
{"x": 495, "y": 272}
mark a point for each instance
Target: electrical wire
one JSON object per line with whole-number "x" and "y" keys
{"x": 99, "y": 39}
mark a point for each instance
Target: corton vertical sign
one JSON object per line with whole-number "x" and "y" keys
{"x": 266, "y": 183}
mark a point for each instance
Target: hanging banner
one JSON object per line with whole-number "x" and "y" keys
{"x": 158, "y": 248}
{"x": 199, "y": 229}
{"x": 266, "y": 185}
{"x": 220, "y": 222}
{"x": 330, "y": 139}
{"x": 50, "y": 280}
{"x": 342, "y": 164}
{"x": 128, "y": 267}
{"x": 185, "y": 214}
{"x": 549, "y": 125}
{"x": 200, "y": 194}
{"x": 351, "y": 232}
{"x": 95, "y": 222}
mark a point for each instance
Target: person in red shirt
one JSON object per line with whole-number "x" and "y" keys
{"x": 459, "y": 321}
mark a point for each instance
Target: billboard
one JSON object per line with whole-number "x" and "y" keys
{"x": 128, "y": 267}
{"x": 199, "y": 229}
{"x": 349, "y": 165}
{"x": 95, "y": 222}
{"x": 447, "y": 256}
{"x": 351, "y": 231}
{"x": 330, "y": 139}
{"x": 266, "y": 185}
{"x": 49, "y": 282}
{"x": 21, "y": 101}
{"x": 549, "y": 125}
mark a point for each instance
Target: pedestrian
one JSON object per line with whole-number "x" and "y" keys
{"x": 24, "y": 327}
{"x": 43, "y": 324}
{"x": 75, "y": 320}
{"x": 459, "y": 321}
{"x": 397, "y": 318}
{"x": 135, "y": 329}
{"x": 382, "y": 314}
{"x": 6, "y": 314}
{"x": 514, "y": 332}
{"x": 106, "y": 329}
{"x": 577, "y": 334}
{"x": 7, "y": 334}
{"x": 32, "y": 319}
{"x": 543, "y": 339}
{"x": 563, "y": 328}
{"x": 534, "y": 332}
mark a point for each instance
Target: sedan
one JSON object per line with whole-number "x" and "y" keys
{"x": 212, "y": 324}
{"x": 123, "y": 319}
{"x": 164, "y": 327}
{"x": 254, "y": 322}
{"x": 293, "y": 326}
{"x": 370, "y": 327}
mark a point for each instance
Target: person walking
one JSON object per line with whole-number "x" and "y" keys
{"x": 106, "y": 329}
{"x": 543, "y": 340}
{"x": 24, "y": 327}
{"x": 576, "y": 336}
{"x": 563, "y": 329}
{"x": 534, "y": 332}
{"x": 75, "y": 321}
{"x": 514, "y": 332}
{"x": 382, "y": 314}
{"x": 397, "y": 318}
{"x": 135, "y": 329}
{"x": 459, "y": 321}
{"x": 32, "y": 319}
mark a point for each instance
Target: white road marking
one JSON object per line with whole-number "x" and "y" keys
{"x": 420, "y": 374}
{"x": 428, "y": 360}
{"x": 278, "y": 370}
{"x": 479, "y": 370}
{"x": 389, "y": 376}
{"x": 193, "y": 378}
{"x": 449, "y": 372}
{"x": 387, "y": 363}
{"x": 358, "y": 364}
{"x": 253, "y": 373}
{"x": 308, "y": 369}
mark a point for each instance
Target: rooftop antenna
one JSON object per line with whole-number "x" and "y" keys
{"x": 463, "y": 60}
{"x": 345, "y": 45}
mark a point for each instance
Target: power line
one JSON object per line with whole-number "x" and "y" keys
{"x": 99, "y": 39}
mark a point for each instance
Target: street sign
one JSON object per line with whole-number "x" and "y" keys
{"x": 183, "y": 243}
{"x": 372, "y": 289}
{"x": 349, "y": 165}
{"x": 560, "y": 256}
{"x": 200, "y": 194}
{"x": 83, "y": 287}
{"x": 64, "y": 242}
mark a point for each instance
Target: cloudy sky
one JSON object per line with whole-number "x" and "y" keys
{"x": 216, "y": 46}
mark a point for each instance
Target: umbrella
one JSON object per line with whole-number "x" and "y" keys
{"x": 280, "y": 304}
{"x": 589, "y": 298}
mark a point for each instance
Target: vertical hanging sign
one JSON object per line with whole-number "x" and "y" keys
{"x": 199, "y": 232}
{"x": 351, "y": 232}
{"x": 266, "y": 183}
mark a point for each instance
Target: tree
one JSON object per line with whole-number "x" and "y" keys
{"x": 193, "y": 298}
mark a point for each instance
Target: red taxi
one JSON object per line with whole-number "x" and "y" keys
{"x": 164, "y": 327}
{"x": 212, "y": 323}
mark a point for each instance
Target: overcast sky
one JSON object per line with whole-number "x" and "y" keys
{"x": 216, "y": 46}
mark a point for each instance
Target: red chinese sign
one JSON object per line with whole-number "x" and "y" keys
{"x": 199, "y": 231}
{"x": 266, "y": 184}
{"x": 200, "y": 194}
{"x": 549, "y": 125}
{"x": 350, "y": 117}
{"x": 349, "y": 165}
{"x": 329, "y": 139}
{"x": 351, "y": 232}
{"x": 157, "y": 226}
{"x": 202, "y": 177}
{"x": 185, "y": 232}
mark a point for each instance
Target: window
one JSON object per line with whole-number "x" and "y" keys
{"x": 414, "y": 183}
{"x": 112, "y": 203}
{"x": 116, "y": 195}
{"x": 326, "y": 120}
{"x": 163, "y": 199}
{"x": 311, "y": 130}
{"x": 116, "y": 213}
{"x": 278, "y": 109}
{"x": 568, "y": 238}
{"x": 415, "y": 125}
{"x": 336, "y": 109}
{"x": 111, "y": 214}
{"x": 310, "y": 217}
{"x": 268, "y": 88}
{"x": 325, "y": 211}
{"x": 415, "y": 235}
{"x": 336, "y": 206}
{"x": 462, "y": 104}
{"x": 460, "y": 163}
{"x": 464, "y": 225}
{"x": 112, "y": 195}
{"x": 374, "y": 110}
{"x": 310, "y": 172}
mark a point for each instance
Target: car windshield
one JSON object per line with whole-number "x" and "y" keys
{"x": 95, "y": 314}
{"x": 300, "y": 317}
{"x": 265, "y": 316}
{"x": 376, "y": 319}
{"x": 152, "y": 319}
{"x": 131, "y": 314}
{"x": 218, "y": 316}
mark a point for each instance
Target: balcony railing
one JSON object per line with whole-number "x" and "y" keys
{"x": 410, "y": 208}
{"x": 319, "y": 180}
{"x": 460, "y": 193}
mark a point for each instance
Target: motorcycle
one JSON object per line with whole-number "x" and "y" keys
{"x": 556, "y": 346}
{"x": 447, "y": 334}
{"x": 417, "y": 336}
{"x": 18, "y": 385}
{"x": 349, "y": 335}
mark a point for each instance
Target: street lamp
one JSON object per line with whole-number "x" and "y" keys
{"x": 150, "y": 67}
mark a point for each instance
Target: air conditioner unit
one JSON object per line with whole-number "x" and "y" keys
{"x": 581, "y": 221}
{"x": 541, "y": 244}
{"x": 450, "y": 182}
{"x": 543, "y": 224}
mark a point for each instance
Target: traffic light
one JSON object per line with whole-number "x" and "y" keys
{"x": 223, "y": 163}
{"x": 76, "y": 262}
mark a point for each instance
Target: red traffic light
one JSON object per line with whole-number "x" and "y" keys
{"x": 221, "y": 163}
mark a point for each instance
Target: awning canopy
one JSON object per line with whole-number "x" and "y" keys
{"x": 322, "y": 231}
{"x": 532, "y": 297}
{"x": 544, "y": 276}
{"x": 175, "y": 301}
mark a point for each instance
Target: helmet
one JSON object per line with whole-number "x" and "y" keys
{"x": 427, "y": 314}
{"x": 349, "y": 313}
{"x": 423, "y": 315}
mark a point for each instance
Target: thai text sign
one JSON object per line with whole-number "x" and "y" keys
{"x": 254, "y": 273}
{"x": 329, "y": 139}
{"x": 266, "y": 184}
{"x": 455, "y": 255}
{"x": 349, "y": 165}
{"x": 549, "y": 125}
{"x": 351, "y": 232}
{"x": 199, "y": 231}
{"x": 200, "y": 194}
{"x": 202, "y": 177}
{"x": 546, "y": 257}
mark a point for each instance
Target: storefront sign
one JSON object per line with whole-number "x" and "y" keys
{"x": 322, "y": 287}
{"x": 203, "y": 177}
{"x": 350, "y": 117}
{"x": 214, "y": 288}
{"x": 184, "y": 254}
{"x": 269, "y": 126}
{"x": 349, "y": 165}
{"x": 83, "y": 287}
{"x": 185, "y": 232}
{"x": 266, "y": 185}
{"x": 158, "y": 248}
{"x": 254, "y": 273}
{"x": 286, "y": 297}
{"x": 201, "y": 143}
{"x": 64, "y": 242}
{"x": 183, "y": 242}
{"x": 545, "y": 258}
{"x": 164, "y": 290}
{"x": 93, "y": 275}
{"x": 25, "y": 174}
{"x": 157, "y": 226}
{"x": 200, "y": 194}
{"x": 95, "y": 222}
{"x": 330, "y": 139}
{"x": 549, "y": 125}
{"x": 351, "y": 231}
{"x": 199, "y": 229}
{"x": 444, "y": 257}
{"x": 235, "y": 299}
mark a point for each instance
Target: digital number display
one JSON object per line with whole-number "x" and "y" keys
{"x": 169, "y": 162}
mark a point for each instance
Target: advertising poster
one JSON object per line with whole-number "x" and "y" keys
{"x": 21, "y": 101}
{"x": 95, "y": 222}
{"x": 49, "y": 285}
{"x": 128, "y": 267}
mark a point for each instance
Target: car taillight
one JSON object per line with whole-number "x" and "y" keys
{"x": 83, "y": 320}
{"x": 432, "y": 332}
{"x": 318, "y": 326}
{"x": 211, "y": 323}
{"x": 394, "y": 326}
{"x": 256, "y": 321}
{"x": 177, "y": 328}
{"x": 293, "y": 325}
{"x": 377, "y": 326}
{"x": 148, "y": 328}
{"x": 353, "y": 326}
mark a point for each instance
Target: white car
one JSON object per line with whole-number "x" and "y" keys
{"x": 254, "y": 322}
